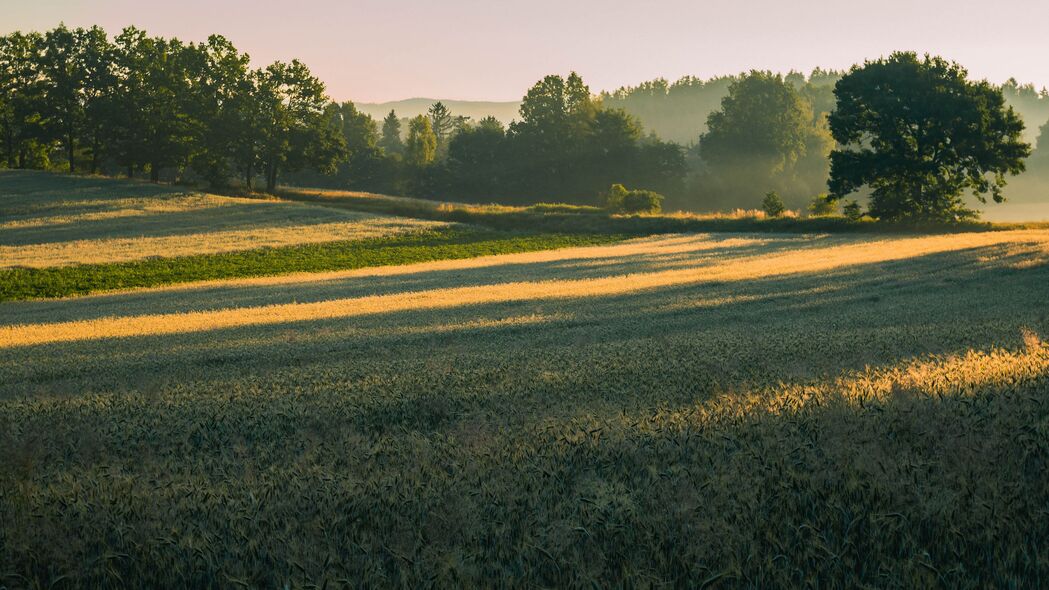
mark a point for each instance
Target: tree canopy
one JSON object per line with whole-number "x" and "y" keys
{"x": 764, "y": 137}
{"x": 918, "y": 133}
{"x": 143, "y": 103}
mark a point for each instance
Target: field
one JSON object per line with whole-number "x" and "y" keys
{"x": 64, "y": 221}
{"x": 699, "y": 410}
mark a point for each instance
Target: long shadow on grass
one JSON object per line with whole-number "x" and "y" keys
{"x": 710, "y": 249}
{"x": 673, "y": 342}
{"x": 202, "y": 220}
{"x": 25, "y": 191}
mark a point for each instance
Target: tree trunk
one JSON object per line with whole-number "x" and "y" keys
{"x": 154, "y": 173}
{"x": 130, "y": 170}
{"x": 248, "y": 174}
{"x": 271, "y": 177}
{"x": 71, "y": 151}
{"x": 9, "y": 146}
{"x": 94, "y": 153}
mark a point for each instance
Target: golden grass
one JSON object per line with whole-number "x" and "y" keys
{"x": 44, "y": 228}
{"x": 836, "y": 255}
{"x": 734, "y": 410}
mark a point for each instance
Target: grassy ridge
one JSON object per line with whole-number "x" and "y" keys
{"x": 33, "y": 283}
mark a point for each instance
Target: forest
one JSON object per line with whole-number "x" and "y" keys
{"x": 79, "y": 101}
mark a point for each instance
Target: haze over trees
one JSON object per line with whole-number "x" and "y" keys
{"x": 76, "y": 100}
{"x": 764, "y": 135}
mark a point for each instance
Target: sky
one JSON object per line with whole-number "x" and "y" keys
{"x": 380, "y": 50}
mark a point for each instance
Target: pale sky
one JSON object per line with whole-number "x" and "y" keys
{"x": 378, "y": 50}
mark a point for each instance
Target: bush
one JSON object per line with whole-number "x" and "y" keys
{"x": 852, "y": 211}
{"x": 642, "y": 201}
{"x": 620, "y": 200}
{"x": 613, "y": 199}
{"x": 822, "y": 206}
{"x": 772, "y": 205}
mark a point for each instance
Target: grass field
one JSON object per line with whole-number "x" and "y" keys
{"x": 561, "y": 218}
{"x": 50, "y": 220}
{"x": 63, "y": 236}
{"x": 718, "y": 410}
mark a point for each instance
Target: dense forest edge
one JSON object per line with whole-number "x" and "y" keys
{"x": 76, "y": 100}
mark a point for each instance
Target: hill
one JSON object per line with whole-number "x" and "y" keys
{"x": 504, "y": 111}
{"x": 671, "y": 410}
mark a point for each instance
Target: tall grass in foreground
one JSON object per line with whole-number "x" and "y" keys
{"x": 875, "y": 416}
{"x": 926, "y": 474}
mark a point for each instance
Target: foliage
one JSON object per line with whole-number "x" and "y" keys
{"x": 852, "y": 211}
{"x": 642, "y": 201}
{"x": 620, "y": 200}
{"x": 919, "y": 133}
{"x": 678, "y": 111}
{"x": 612, "y": 200}
{"x": 564, "y": 144}
{"x": 765, "y": 134}
{"x": 391, "y": 140}
{"x": 822, "y": 205}
{"x": 773, "y": 205}
{"x": 421, "y": 147}
{"x": 142, "y": 103}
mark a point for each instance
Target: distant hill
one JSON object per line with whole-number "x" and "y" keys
{"x": 504, "y": 111}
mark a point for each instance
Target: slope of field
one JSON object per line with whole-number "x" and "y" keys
{"x": 49, "y": 220}
{"x": 750, "y": 410}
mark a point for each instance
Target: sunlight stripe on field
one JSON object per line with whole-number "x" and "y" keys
{"x": 809, "y": 260}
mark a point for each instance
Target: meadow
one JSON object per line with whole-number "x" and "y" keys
{"x": 63, "y": 236}
{"x": 703, "y": 410}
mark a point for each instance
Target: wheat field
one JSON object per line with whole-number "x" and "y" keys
{"x": 48, "y": 221}
{"x": 747, "y": 410}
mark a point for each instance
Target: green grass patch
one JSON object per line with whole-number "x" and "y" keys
{"x": 37, "y": 283}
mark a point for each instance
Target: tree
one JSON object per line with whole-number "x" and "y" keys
{"x": 442, "y": 122}
{"x": 153, "y": 122}
{"x": 296, "y": 132}
{"x": 62, "y": 66}
{"x": 364, "y": 163}
{"x": 548, "y": 142}
{"x": 391, "y": 134}
{"x": 918, "y": 133}
{"x": 764, "y": 135}
{"x": 21, "y": 98}
{"x": 99, "y": 85}
{"x": 222, "y": 93}
{"x": 773, "y": 205}
{"x": 477, "y": 159}
{"x": 421, "y": 148}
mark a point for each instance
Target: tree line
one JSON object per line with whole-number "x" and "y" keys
{"x": 143, "y": 105}
{"x": 566, "y": 146}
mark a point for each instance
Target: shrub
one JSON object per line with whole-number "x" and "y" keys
{"x": 642, "y": 201}
{"x": 613, "y": 199}
{"x": 822, "y": 206}
{"x": 772, "y": 205}
{"x": 852, "y": 211}
{"x": 620, "y": 200}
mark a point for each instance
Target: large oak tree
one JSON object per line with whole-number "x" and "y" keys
{"x": 918, "y": 133}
